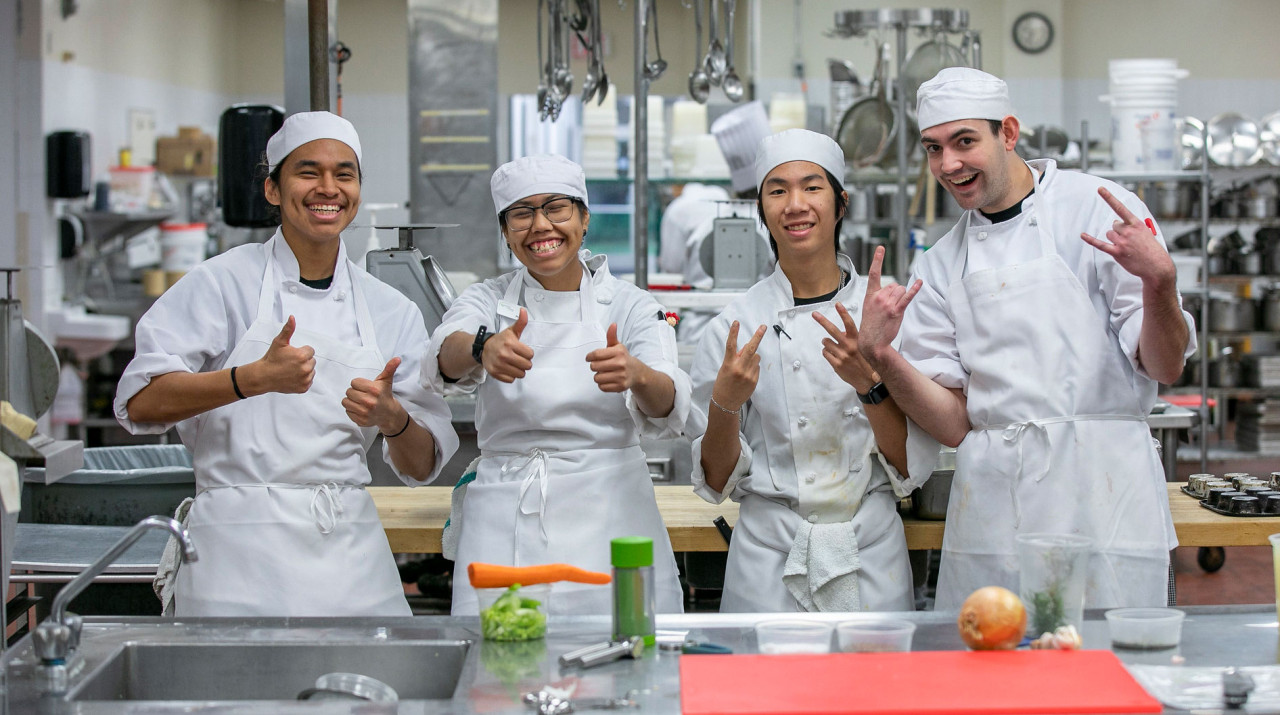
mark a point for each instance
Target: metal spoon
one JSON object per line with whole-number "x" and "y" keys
{"x": 654, "y": 69}
{"x": 715, "y": 61}
{"x": 542, "y": 70}
{"x": 602, "y": 88}
{"x": 699, "y": 85}
{"x": 731, "y": 85}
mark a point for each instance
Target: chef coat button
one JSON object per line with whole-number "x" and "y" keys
{"x": 538, "y": 297}
{"x": 982, "y": 235}
{"x": 850, "y": 413}
{"x": 813, "y": 518}
{"x": 791, "y": 313}
{"x": 1032, "y": 221}
{"x": 341, "y": 295}
{"x": 796, "y": 364}
{"x": 810, "y": 479}
{"x": 803, "y": 420}
{"x": 857, "y": 465}
{"x": 293, "y": 289}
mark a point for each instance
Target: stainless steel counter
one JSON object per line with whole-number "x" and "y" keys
{"x": 494, "y": 675}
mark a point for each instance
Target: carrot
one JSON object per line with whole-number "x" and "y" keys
{"x": 495, "y": 576}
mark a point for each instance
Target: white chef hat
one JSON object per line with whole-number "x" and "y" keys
{"x": 962, "y": 93}
{"x": 305, "y": 127}
{"x": 738, "y": 132}
{"x": 799, "y": 145}
{"x": 533, "y": 175}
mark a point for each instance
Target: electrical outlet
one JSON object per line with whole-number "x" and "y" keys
{"x": 142, "y": 136}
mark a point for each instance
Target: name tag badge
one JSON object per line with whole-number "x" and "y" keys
{"x": 510, "y": 311}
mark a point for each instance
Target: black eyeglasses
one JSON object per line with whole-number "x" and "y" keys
{"x": 556, "y": 210}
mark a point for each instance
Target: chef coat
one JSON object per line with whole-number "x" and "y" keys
{"x": 195, "y": 324}
{"x": 281, "y": 519}
{"x": 1045, "y": 454}
{"x": 809, "y": 457}
{"x": 695, "y": 205}
{"x": 554, "y": 447}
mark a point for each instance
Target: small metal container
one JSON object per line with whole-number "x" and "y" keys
{"x": 1224, "y": 499}
{"x": 1275, "y": 480}
{"x": 1257, "y": 490}
{"x": 1195, "y": 483}
{"x": 1215, "y": 493}
{"x": 1243, "y": 505}
{"x": 1235, "y": 477}
{"x": 1272, "y": 504}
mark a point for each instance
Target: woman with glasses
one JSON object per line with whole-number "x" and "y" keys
{"x": 570, "y": 367}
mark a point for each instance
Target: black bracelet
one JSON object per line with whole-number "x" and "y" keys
{"x": 407, "y": 420}
{"x": 235, "y": 385}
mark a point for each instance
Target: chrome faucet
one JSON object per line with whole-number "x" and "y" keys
{"x": 59, "y": 634}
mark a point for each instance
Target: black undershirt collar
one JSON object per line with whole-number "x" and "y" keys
{"x": 1014, "y": 210}
{"x": 318, "y": 284}
{"x": 844, "y": 281}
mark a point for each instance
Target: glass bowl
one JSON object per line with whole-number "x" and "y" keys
{"x": 1145, "y": 628}
{"x": 884, "y": 636}
{"x": 791, "y": 637}
{"x": 511, "y": 621}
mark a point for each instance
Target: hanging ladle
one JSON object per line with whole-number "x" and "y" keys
{"x": 699, "y": 84}
{"x": 731, "y": 85}
{"x": 654, "y": 69}
{"x": 715, "y": 60}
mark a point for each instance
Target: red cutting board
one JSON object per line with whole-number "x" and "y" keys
{"x": 991, "y": 682}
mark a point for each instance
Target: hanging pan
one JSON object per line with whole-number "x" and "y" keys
{"x": 868, "y": 130}
{"x": 927, "y": 60}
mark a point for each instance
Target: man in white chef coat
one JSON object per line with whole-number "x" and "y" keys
{"x": 1033, "y": 339}
{"x": 280, "y": 363}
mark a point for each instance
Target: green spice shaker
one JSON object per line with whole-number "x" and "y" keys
{"x": 633, "y": 600}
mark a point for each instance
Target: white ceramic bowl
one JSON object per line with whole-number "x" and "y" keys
{"x": 883, "y": 636}
{"x": 791, "y": 637}
{"x": 1145, "y": 628}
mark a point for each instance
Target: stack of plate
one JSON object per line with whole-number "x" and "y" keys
{"x": 1258, "y": 426}
{"x": 600, "y": 137}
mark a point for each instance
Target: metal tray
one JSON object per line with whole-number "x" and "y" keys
{"x": 1216, "y": 510}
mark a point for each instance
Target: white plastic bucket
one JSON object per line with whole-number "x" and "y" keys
{"x": 182, "y": 246}
{"x": 1144, "y": 135}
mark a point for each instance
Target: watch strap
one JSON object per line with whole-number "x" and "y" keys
{"x": 874, "y": 396}
{"x": 477, "y": 346}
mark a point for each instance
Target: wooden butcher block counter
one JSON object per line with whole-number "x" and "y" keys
{"x": 414, "y": 518}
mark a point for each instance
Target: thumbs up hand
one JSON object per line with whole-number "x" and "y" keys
{"x": 284, "y": 368}
{"x": 616, "y": 370}
{"x": 371, "y": 403}
{"x": 504, "y": 356}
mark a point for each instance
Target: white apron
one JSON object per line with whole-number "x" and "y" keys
{"x": 282, "y": 522}
{"x": 533, "y": 503}
{"x": 1059, "y": 442}
{"x": 840, "y": 546}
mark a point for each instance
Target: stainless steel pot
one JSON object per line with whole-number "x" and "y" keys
{"x": 1224, "y": 371}
{"x": 1232, "y": 314}
{"x": 1271, "y": 311}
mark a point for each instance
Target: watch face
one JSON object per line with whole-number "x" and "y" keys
{"x": 1032, "y": 32}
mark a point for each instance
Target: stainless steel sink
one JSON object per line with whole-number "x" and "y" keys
{"x": 417, "y": 670}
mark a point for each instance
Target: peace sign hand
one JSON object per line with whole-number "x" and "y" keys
{"x": 841, "y": 350}
{"x": 1134, "y": 246}
{"x": 740, "y": 370}
{"x": 882, "y": 311}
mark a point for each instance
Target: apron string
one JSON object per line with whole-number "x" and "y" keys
{"x": 1013, "y": 433}
{"x": 533, "y": 464}
{"x": 326, "y": 507}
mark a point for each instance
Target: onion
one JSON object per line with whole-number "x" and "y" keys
{"x": 992, "y": 618}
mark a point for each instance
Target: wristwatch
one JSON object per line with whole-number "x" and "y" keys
{"x": 877, "y": 394}
{"x": 477, "y": 347}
